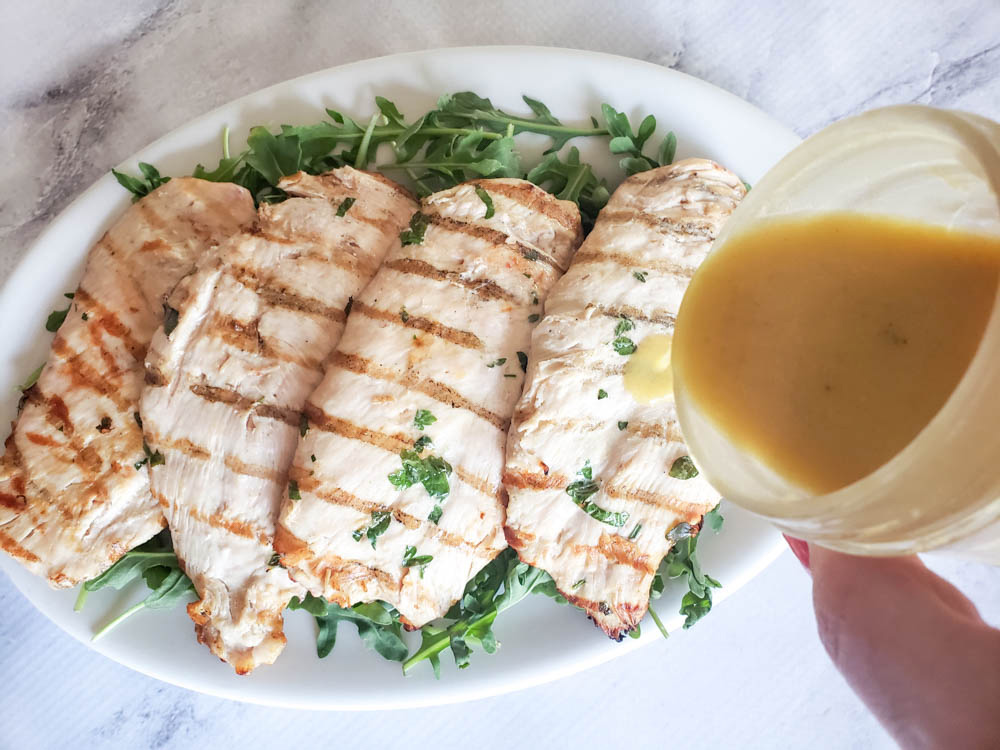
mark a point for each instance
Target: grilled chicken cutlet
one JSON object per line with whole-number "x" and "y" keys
{"x": 591, "y": 497}
{"x": 74, "y": 491}
{"x": 395, "y": 490}
{"x": 226, "y": 385}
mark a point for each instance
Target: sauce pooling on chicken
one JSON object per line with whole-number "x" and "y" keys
{"x": 825, "y": 344}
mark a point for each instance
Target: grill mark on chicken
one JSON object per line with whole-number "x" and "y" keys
{"x": 217, "y": 520}
{"x": 447, "y": 333}
{"x": 624, "y": 260}
{"x": 249, "y": 470}
{"x": 246, "y": 337}
{"x": 108, "y": 321}
{"x": 683, "y": 230}
{"x": 15, "y": 550}
{"x": 285, "y": 298}
{"x": 533, "y": 198}
{"x": 657, "y": 317}
{"x": 181, "y": 445}
{"x": 484, "y": 288}
{"x": 621, "y": 551}
{"x": 343, "y": 498}
{"x": 654, "y": 499}
{"x": 389, "y": 443}
{"x": 494, "y": 237}
{"x": 437, "y": 391}
{"x": 82, "y": 375}
{"x": 241, "y": 403}
{"x": 527, "y": 481}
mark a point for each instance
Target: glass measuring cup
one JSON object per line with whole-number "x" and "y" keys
{"x": 927, "y": 166}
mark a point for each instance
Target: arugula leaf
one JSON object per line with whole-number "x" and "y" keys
{"x": 501, "y": 584}
{"x": 713, "y": 519}
{"x": 378, "y": 526}
{"x": 57, "y": 317}
{"x": 31, "y": 379}
{"x": 572, "y": 181}
{"x": 377, "y": 623}
{"x": 486, "y": 199}
{"x": 140, "y": 187}
{"x": 154, "y": 562}
{"x": 683, "y": 468}
{"x": 468, "y": 109}
{"x": 423, "y": 418}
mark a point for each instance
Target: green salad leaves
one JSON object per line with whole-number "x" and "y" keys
{"x": 464, "y": 137}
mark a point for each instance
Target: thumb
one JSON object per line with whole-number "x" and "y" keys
{"x": 912, "y": 647}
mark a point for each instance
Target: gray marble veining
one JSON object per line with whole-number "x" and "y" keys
{"x": 84, "y": 85}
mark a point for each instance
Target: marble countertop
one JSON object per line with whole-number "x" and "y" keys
{"x": 87, "y": 84}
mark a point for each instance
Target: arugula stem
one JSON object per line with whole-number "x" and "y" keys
{"x": 225, "y": 142}
{"x": 439, "y": 644}
{"x": 118, "y": 620}
{"x": 80, "y": 599}
{"x": 533, "y": 126}
{"x": 361, "y": 161}
{"x": 659, "y": 623}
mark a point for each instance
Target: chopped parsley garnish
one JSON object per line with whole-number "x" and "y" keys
{"x": 275, "y": 560}
{"x": 349, "y": 305}
{"x": 411, "y": 558}
{"x": 601, "y": 393}
{"x": 345, "y": 206}
{"x": 622, "y": 425}
{"x": 423, "y": 418}
{"x": 432, "y": 472}
{"x": 312, "y": 458}
{"x": 509, "y": 375}
{"x": 85, "y": 317}
{"x": 155, "y": 457}
{"x": 683, "y": 468}
{"x": 522, "y": 359}
{"x": 496, "y": 362}
{"x": 105, "y": 425}
{"x": 170, "y": 317}
{"x": 640, "y": 276}
{"x": 624, "y": 345}
{"x": 303, "y": 424}
{"x": 581, "y": 490}
{"x": 415, "y": 234}
{"x": 422, "y": 442}
{"x": 435, "y": 514}
{"x": 485, "y": 198}
{"x": 579, "y": 583}
{"x": 404, "y": 316}
{"x": 531, "y": 255}
{"x": 293, "y": 490}
{"x": 137, "y": 418}
{"x": 378, "y": 526}
{"x": 635, "y": 531}
{"x": 534, "y": 318}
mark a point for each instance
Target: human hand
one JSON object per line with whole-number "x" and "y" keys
{"x": 911, "y": 645}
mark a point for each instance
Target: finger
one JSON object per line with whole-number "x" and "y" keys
{"x": 912, "y": 647}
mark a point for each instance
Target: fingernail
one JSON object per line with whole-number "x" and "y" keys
{"x": 800, "y": 549}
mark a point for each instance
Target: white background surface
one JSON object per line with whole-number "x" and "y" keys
{"x": 82, "y": 86}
